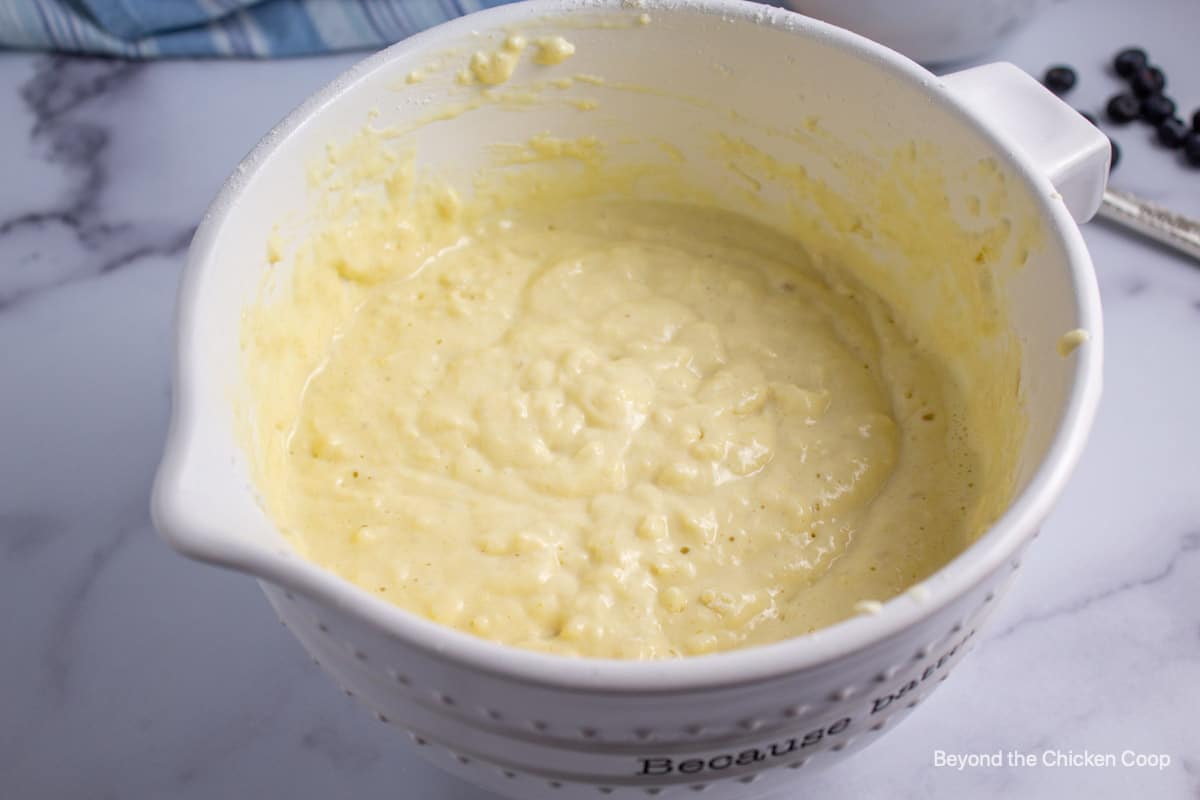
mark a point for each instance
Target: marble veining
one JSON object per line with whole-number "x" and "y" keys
{"x": 131, "y": 673}
{"x": 1187, "y": 547}
{"x": 28, "y": 533}
{"x": 74, "y": 238}
{"x": 58, "y": 660}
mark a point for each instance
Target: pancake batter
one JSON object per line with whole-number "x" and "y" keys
{"x": 615, "y": 428}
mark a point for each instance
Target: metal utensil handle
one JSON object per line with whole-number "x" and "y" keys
{"x": 1153, "y": 221}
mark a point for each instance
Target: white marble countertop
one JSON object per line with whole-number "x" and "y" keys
{"x": 129, "y": 672}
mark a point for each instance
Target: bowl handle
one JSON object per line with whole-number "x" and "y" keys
{"x": 1073, "y": 153}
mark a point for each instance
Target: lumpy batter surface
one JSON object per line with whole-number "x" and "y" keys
{"x": 625, "y": 429}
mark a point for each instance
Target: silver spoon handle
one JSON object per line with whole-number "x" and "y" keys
{"x": 1153, "y": 221}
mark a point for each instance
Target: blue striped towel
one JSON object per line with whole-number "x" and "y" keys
{"x": 235, "y": 28}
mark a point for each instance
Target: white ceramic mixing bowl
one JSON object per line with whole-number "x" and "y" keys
{"x": 735, "y": 724}
{"x": 929, "y": 31}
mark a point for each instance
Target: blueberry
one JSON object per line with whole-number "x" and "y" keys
{"x": 1092, "y": 119}
{"x": 1128, "y": 60}
{"x": 1147, "y": 81}
{"x": 1196, "y": 120}
{"x": 1191, "y": 148}
{"x": 1172, "y": 132}
{"x": 1156, "y": 108}
{"x": 1123, "y": 108}
{"x": 1116, "y": 155}
{"x": 1059, "y": 79}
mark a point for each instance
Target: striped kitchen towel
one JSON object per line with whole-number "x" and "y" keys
{"x": 235, "y": 28}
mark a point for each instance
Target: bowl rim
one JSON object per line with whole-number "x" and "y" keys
{"x": 174, "y": 503}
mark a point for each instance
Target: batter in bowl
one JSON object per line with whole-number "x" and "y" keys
{"x": 607, "y": 427}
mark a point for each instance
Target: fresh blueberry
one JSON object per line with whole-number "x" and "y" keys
{"x": 1059, "y": 79}
{"x": 1196, "y": 120}
{"x": 1092, "y": 119}
{"x": 1129, "y": 60}
{"x": 1123, "y": 108}
{"x": 1116, "y": 155}
{"x": 1191, "y": 148}
{"x": 1156, "y": 108}
{"x": 1147, "y": 81}
{"x": 1172, "y": 132}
